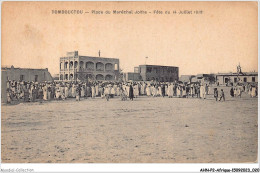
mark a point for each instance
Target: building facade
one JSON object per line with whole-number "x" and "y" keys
{"x": 25, "y": 74}
{"x": 85, "y": 68}
{"x": 22, "y": 74}
{"x": 234, "y": 78}
{"x": 155, "y": 73}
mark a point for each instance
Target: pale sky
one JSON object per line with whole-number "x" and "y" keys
{"x": 215, "y": 41}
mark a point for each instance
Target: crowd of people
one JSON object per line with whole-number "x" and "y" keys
{"x": 34, "y": 91}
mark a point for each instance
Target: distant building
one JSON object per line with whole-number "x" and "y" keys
{"x": 186, "y": 78}
{"x": 56, "y": 77}
{"x": 85, "y": 68}
{"x": 154, "y": 72}
{"x": 200, "y": 78}
{"x": 23, "y": 74}
{"x": 234, "y": 78}
{"x": 131, "y": 76}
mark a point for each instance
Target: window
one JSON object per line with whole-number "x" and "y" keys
{"x": 235, "y": 80}
{"x": 36, "y": 78}
{"x": 245, "y": 79}
{"x": 226, "y": 80}
{"x": 253, "y": 79}
{"x": 21, "y": 77}
{"x": 148, "y": 70}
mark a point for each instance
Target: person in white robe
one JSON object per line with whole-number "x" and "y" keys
{"x": 160, "y": 91}
{"x": 66, "y": 90}
{"x": 93, "y": 91}
{"x": 148, "y": 90}
{"x": 127, "y": 90}
{"x": 136, "y": 91}
{"x": 82, "y": 91}
{"x": 73, "y": 91}
{"x": 96, "y": 90}
{"x": 45, "y": 94}
{"x": 202, "y": 92}
{"x": 253, "y": 92}
{"x": 170, "y": 91}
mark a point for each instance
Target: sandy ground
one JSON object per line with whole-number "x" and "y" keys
{"x": 146, "y": 130}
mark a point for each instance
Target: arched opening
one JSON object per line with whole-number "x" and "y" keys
{"x": 89, "y": 77}
{"x": 89, "y": 65}
{"x": 76, "y": 64}
{"x": 61, "y": 66}
{"x": 66, "y": 65}
{"x": 109, "y": 67}
{"x": 66, "y": 76}
{"x": 99, "y": 77}
{"x": 99, "y": 66}
{"x": 81, "y": 64}
{"x": 109, "y": 77}
{"x": 71, "y": 64}
{"x": 71, "y": 76}
{"x": 61, "y": 77}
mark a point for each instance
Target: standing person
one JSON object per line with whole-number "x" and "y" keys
{"x": 163, "y": 90}
{"x": 9, "y": 97}
{"x": 131, "y": 92}
{"x": 93, "y": 91}
{"x": 26, "y": 94}
{"x": 253, "y": 91}
{"x": 34, "y": 94}
{"x": 82, "y": 91}
{"x": 202, "y": 92}
{"x": 113, "y": 92}
{"x": 198, "y": 90}
{"x": 179, "y": 91}
{"x": 78, "y": 94}
{"x": 73, "y": 90}
{"x": 66, "y": 91}
{"x": 235, "y": 92}
{"x": 207, "y": 89}
{"x": 159, "y": 90}
{"x": 136, "y": 90}
{"x": 216, "y": 93}
{"x": 148, "y": 90}
{"x": 232, "y": 92}
{"x": 239, "y": 92}
{"x": 45, "y": 90}
{"x": 53, "y": 92}
{"x": 184, "y": 93}
{"x": 142, "y": 89}
{"x": 49, "y": 92}
{"x": 222, "y": 95}
{"x": 191, "y": 90}
{"x": 170, "y": 90}
{"x": 96, "y": 90}
{"x": 106, "y": 93}
{"x": 166, "y": 89}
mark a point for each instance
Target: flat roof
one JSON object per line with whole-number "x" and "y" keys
{"x": 82, "y": 56}
{"x": 18, "y": 68}
{"x": 157, "y": 66}
{"x": 237, "y": 74}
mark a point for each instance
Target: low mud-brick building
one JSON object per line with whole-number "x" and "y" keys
{"x": 22, "y": 75}
{"x": 153, "y": 73}
{"x": 75, "y": 67}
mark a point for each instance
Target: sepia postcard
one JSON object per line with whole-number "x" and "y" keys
{"x": 129, "y": 82}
